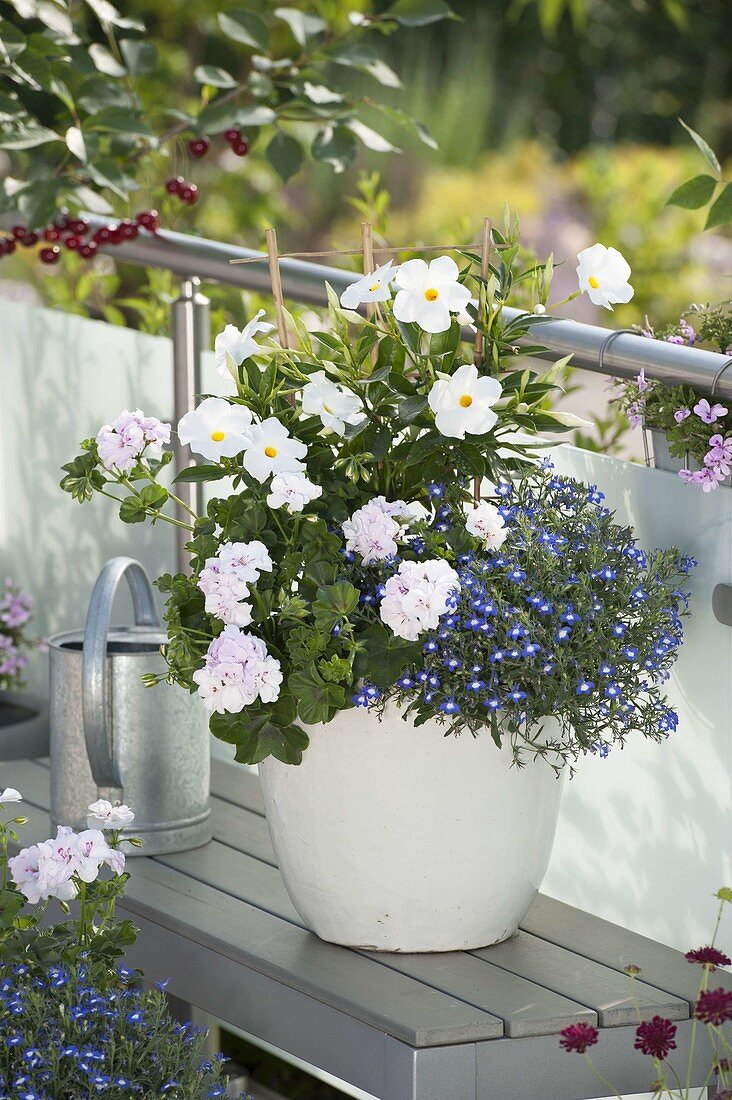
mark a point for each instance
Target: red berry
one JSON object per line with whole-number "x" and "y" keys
{"x": 198, "y": 147}
{"x": 148, "y": 219}
{"x": 50, "y": 255}
{"x": 189, "y": 194}
{"x": 8, "y": 246}
{"x": 19, "y": 231}
{"x": 232, "y": 135}
{"x": 174, "y": 184}
{"x": 88, "y": 250}
{"x": 51, "y": 233}
{"x": 104, "y": 235}
{"x": 72, "y": 242}
{"x": 241, "y": 148}
{"x": 78, "y": 226}
{"x": 29, "y": 238}
{"x": 127, "y": 230}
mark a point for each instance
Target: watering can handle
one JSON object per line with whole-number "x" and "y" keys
{"x": 95, "y": 690}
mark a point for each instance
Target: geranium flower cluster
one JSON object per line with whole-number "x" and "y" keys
{"x": 564, "y": 615}
{"x": 63, "y": 1036}
{"x": 16, "y": 607}
{"x": 238, "y": 671}
{"x": 373, "y": 530}
{"x": 55, "y": 868}
{"x": 656, "y": 1037}
{"x": 417, "y": 596}
{"x": 225, "y": 580}
{"x": 131, "y": 435}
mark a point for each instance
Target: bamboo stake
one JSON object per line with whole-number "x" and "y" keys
{"x": 367, "y": 246}
{"x": 479, "y": 350}
{"x": 276, "y": 280}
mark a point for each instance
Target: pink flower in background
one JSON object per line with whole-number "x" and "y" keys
{"x": 643, "y": 385}
{"x": 226, "y": 578}
{"x": 681, "y": 414}
{"x": 15, "y": 606}
{"x": 121, "y": 444}
{"x": 709, "y": 413}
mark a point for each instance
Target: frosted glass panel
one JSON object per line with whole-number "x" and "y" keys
{"x": 645, "y": 836}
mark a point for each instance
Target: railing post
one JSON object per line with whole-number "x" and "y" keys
{"x": 191, "y": 336}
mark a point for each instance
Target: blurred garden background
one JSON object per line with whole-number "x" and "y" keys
{"x": 567, "y": 111}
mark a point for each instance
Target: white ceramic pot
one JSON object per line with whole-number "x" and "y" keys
{"x": 397, "y": 838}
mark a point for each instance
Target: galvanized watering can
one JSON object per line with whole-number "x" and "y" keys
{"x": 113, "y": 738}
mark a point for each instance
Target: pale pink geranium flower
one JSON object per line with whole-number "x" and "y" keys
{"x": 104, "y": 815}
{"x": 25, "y": 871}
{"x": 121, "y": 444}
{"x": 709, "y": 413}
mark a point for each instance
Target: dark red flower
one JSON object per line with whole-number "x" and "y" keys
{"x": 714, "y": 1007}
{"x": 655, "y": 1037}
{"x": 711, "y": 957}
{"x": 578, "y": 1037}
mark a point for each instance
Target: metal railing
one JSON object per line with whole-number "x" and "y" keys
{"x": 607, "y": 351}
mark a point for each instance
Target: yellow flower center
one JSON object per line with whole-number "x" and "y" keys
{"x": 271, "y": 452}
{"x": 218, "y": 436}
{"x": 466, "y": 401}
{"x": 431, "y": 294}
{"x": 373, "y": 287}
{"x": 594, "y": 283}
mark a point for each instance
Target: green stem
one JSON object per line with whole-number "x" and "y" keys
{"x": 600, "y": 1077}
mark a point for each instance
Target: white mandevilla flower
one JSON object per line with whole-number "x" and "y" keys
{"x": 237, "y": 672}
{"x": 429, "y": 294}
{"x": 270, "y": 449}
{"x": 375, "y": 287}
{"x": 292, "y": 491}
{"x": 486, "y": 523}
{"x": 603, "y": 275}
{"x": 335, "y": 405}
{"x": 231, "y": 344}
{"x": 11, "y": 795}
{"x": 216, "y": 429}
{"x": 416, "y": 596}
{"x": 463, "y": 402}
{"x": 103, "y": 814}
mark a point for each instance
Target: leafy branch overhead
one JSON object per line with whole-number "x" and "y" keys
{"x": 705, "y": 190}
{"x": 81, "y": 118}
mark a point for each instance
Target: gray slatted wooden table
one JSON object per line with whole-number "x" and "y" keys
{"x": 478, "y": 1025}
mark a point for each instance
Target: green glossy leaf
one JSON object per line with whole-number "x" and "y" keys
{"x": 285, "y": 154}
{"x": 694, "y": 193}
{"x": 245, "y": 27}
{"x": 212, "y": 74}
{"x": 139, "y": 55}
{"x": 721, "y": 209}
{"x": 104, "y": 61}
{"x": 200, "y": 473}
{"x": 118, "y": 120}
{"x": 419, "y": 13}
{"x": 131, "y": 510}
{"x": 302, "y": 25}
{"x": 75, "y": 142}
{"x": 370, "y": 138}
{"x": 39, "y": 199}
{"x": 706, "y": 150}
{"x": 316, "y": 699}
{"x": 27, "y": 137}
{"x": 335, "y": 145}
{"x": 360, "y": 55}
{"x": 107, "y": 13}
{"x": 385, "y": 656}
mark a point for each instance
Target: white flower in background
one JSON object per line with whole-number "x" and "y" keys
{"x": 103, "y": 814}
{"x": 375, "y": 287}
{"x": 292, "y": 491}
{"x": 238, "y": 345}
{"x": 429, "y": 293}
{"x": 463, "y": 402}
{"x": 603, "y": 275}
{"x": 486, "y": 523}
{"x": 216, "y": 429}
{"x": 225, "y": 580}
{"x": 11, "y": 795}
{"x": 416, "y": 596}
{"x": 271, "y": 450}
{"x": 238, "y": 671}
{"x": 335, "y": 405}
{"x": 121, "y": 444}
{"x": 25, "y": 871}
{"x": 465, "y": 318}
